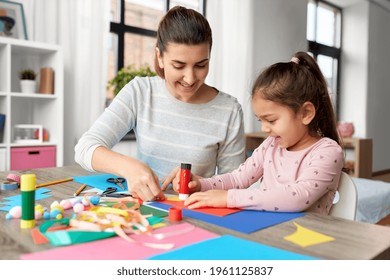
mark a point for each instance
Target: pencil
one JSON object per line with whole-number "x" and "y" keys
{"x": 79, "y": 190}
{"x": 53, "y": 182}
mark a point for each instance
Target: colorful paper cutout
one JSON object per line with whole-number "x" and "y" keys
{"x": 245, "y": 221}
{"x": 228, "y": 247}
{"x": 305, "y": 237}
{"x": 40, "y": 238}
{"x": 115, "y": 248}
{"x": 16, "y": 200}
{"x": 98, "y": 181}
{"x": 69, "y": 237}
{"x": 176, "y": 202}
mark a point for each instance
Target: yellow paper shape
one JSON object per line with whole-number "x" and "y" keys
{"x": 173, "y": 198}
{"x": 159, "y": 225}
{"x": 306, "y": 237}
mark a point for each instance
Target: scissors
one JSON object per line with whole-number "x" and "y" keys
{"x": 118, "y": 181}
{"x": 110, "y": 192}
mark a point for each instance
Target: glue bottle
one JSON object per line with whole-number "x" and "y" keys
{"x": 27, "y": 188}
{"x": 185, "y": 177}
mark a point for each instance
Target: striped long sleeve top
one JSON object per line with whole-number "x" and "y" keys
{"x": 168, "y": 131}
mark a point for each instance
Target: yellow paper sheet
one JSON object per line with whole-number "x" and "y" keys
{"x": 305, "y": 237}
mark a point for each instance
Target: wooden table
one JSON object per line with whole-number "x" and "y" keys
{"x": 354, "y": 240}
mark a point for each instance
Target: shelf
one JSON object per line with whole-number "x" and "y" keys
{"x": 32, "y": 95}
{"x": 46, "y": 110}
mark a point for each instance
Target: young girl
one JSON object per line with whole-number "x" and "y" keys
{"x": 176, "y": 116}
{"x": 300, "y": 163}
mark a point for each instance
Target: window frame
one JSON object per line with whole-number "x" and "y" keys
{"x": 120, "y": 29}
{"x": 334, "y": 52}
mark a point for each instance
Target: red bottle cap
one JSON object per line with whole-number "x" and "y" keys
{"x": 174, "y": 214}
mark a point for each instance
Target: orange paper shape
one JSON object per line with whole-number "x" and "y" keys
{"x": 220, "y": 212}
{"x": 39, "y": 238}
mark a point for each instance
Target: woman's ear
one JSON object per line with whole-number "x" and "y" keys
{"x": 308, "y": 112}
{"x": 159, "y": 58}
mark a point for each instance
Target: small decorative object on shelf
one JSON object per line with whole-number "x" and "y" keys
{"x": 26, "y": 133}
{"x": 46, "y": 84}
{"x": 346, "y": 129}
{"x": 27, "y": 80}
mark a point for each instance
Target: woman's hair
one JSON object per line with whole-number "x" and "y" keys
{"x": 296, "y": 82}
{"x": 181, "y": 26}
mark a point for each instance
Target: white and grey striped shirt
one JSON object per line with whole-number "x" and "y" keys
{"x": 210, "y": 136}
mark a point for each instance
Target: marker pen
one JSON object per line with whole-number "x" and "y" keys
{"x": 185, "y": 177}
{"x": 27, "y": 188}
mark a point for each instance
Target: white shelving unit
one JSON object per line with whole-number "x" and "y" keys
{"x": 30, "y": 108}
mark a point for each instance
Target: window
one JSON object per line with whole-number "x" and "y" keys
{"x": 133, "y": 26}
{"x": 324, "y": 37}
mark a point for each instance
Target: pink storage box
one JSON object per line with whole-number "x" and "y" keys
{"x": 33, "y": 157}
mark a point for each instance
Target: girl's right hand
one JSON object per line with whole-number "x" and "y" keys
{"x": 174, "y": 179}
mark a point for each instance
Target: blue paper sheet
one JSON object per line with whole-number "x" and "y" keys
{"x": 98, "y": 181}
{"x": 228, "y": 247}
{"x": 16, "y": 200}
{"x": 245, "y": 221}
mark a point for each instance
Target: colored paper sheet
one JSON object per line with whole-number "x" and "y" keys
{"x": 144, "y": 209}
{"x": 245, "y": 221}
{"x": 98, "y": 181}
{"x": 305, "y": 237}
{"x": 175, "y": 202}
{"x": 116, "y": 248}
{"x": 40, "y": 238}
{"x": 16, "y": 200}
{"x": 228, "y": 247}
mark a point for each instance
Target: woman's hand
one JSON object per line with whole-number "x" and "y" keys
{"x": 142, "y": 182}
{"x": 174, "y": 179}
{"x": 211, "y": 198}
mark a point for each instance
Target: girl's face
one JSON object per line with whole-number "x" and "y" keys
{"x": 289, "y": 128}
{"x": 185, "y": 68}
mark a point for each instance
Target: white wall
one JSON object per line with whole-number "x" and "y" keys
{"x": 279, "y": 32}
{"x": 256, "y": 33}
{"x": 378, "y": 90}
{"x": 248, "y": 36}
{"x": 365, "y": 83}
{"x": 353, "y": 83}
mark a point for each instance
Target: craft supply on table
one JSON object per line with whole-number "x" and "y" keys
{"x": 8, "y": 186}
{"x": 79, "y": 190}
{"x": 185, "y": 177}
{"x": 54, "y": 182}
{"x": 174, "y": 214}
{"x": 13, "y": 178}
{"x": 27, "y": 188}
{"x": 117, "y": 181}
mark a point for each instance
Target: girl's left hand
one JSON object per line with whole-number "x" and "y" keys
{"x": 211, "y": 198}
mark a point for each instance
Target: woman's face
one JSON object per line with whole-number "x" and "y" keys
{"x": 185, "y": 69}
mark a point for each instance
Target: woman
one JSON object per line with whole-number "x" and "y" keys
{"x": 176, "y": 117}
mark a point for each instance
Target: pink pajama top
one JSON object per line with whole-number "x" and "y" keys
{"x": 296, "y": 181}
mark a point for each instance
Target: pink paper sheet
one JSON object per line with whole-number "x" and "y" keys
{"x": 115, "y": 248}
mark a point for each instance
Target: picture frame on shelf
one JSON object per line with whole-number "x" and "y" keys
{"x": 27, "y": 134}
{"x": 12, "y": 21}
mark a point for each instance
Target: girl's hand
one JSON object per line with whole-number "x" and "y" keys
{"x": 174, "y": 179}
{"x": 211, "y": 198}
{"x": 170, "y": 179}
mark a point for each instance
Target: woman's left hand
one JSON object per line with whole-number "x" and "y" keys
{"x": 211, "y": 198}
